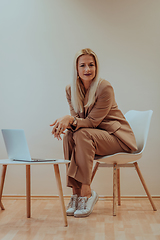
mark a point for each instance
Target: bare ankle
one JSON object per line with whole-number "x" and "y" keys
{"x": 85, "y": 191}
{"x": 76, "y": 191}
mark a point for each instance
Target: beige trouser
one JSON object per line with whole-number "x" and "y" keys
{"x": 80, "y": 147}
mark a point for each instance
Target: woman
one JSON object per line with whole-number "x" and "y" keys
{"x": 95, "y": 127}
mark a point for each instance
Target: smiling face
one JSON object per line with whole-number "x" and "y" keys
{"x": 86, "y": 69}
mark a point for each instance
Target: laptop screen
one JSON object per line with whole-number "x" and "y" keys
{"x": 16, "y": 144}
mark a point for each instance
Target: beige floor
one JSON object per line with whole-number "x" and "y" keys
{"x": 135, "y": 220}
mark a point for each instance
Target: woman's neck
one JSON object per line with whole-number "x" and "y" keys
{"x": 87, "y": 85}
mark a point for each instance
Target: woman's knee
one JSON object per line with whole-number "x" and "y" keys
{"x": 81, "y": 134}
{"x": 68, "y": 136}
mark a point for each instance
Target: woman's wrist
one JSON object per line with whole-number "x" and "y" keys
{"x": 74, "y": 123}
{"x": 71, "y": 120}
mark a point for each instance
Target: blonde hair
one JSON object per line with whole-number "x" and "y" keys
{"x": 77, "y": 87}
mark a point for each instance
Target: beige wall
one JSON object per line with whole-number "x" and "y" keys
{"x": 37, "y": 46}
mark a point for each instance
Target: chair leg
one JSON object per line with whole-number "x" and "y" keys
{"x": 2, "y": 185}
{"x": 118, "y": 187}
{"x": 114, "y": 189}
{"x": 94, "y": 170}
{"x": 145, "y": 186}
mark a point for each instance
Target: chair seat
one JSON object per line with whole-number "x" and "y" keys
{"x": 119, "y": 158}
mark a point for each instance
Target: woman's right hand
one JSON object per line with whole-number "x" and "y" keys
{"x": 60, "y": 125}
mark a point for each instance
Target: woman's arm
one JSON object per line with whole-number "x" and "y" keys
{"x": 101, "y": 107}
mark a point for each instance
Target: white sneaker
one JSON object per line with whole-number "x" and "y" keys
{"x": 85, "y": 205}
{"x": 72, "y": 205}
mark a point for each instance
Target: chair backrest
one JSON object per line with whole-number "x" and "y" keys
{"x": 139, "y": 122}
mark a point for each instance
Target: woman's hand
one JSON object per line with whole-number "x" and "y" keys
{"x": 60, "y": 125}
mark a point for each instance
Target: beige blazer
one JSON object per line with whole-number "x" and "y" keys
{"x": 104, "y": 114}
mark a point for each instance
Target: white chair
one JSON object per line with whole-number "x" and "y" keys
{"x": 139, "y": 122}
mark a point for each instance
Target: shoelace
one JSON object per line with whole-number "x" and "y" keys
{"x": 82, "y": 203}
{"x": 72, "y": 203}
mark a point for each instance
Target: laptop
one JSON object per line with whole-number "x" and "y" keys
{"x": 17, "y": 147}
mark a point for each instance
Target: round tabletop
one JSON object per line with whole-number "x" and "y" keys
{"x": 46, "y": 161}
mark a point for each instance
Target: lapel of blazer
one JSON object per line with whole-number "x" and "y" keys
{"x": 87, "y": 109}
{"x": 81, "y": 114}
{"x": 85, "y": 102}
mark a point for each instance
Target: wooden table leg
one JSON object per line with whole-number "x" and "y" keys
{"x": 28, "y": 191}
{"x": 4, "y": 168}
{"x": 114, "y": 189}
{"x": 59, "y": 185}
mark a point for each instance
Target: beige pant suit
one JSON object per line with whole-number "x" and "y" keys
{"x": 101, "y": 130}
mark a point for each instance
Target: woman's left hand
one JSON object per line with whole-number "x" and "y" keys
{"x": 60, "y": 125}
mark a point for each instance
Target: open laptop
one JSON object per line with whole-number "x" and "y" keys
{"x": 17, "y": 147}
